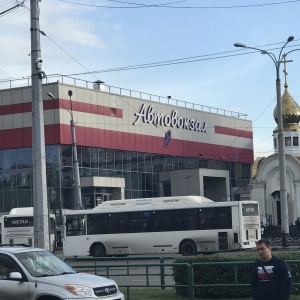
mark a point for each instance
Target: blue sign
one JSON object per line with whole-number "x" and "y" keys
{"x": 167, "y": 138}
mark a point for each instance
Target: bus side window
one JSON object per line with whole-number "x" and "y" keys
{"x": 125, "y": 226}
{"x": 75, "y": 225}
{"x": 115, "y": 227}
{"x": 137, "y": 226}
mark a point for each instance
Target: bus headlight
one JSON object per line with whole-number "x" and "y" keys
{"x": 79, "y": 290}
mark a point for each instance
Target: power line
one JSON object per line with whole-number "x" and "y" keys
{"x": 185, "y": 60}
{"x": 12, "y": 8}
{"x": 147, "y": 5}
{"x": 166, "y": 5}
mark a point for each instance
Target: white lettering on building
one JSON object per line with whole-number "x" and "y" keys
{"x": 157, "y": 119}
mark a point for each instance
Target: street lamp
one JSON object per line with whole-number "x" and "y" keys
{"x": 77, "y": 196}
{"x": 281, "y": 151}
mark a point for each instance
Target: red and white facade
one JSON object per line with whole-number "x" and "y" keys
{"x": 114, "y": 121}
{"x": 126, "y": 123}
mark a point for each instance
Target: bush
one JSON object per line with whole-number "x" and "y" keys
{"x": 213, "y": 274}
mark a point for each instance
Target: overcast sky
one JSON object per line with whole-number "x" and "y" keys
{"x": 194, "y": 39}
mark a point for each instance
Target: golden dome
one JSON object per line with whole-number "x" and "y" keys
{"x": 290, "y": 110}
{"x": 287, "y": 127}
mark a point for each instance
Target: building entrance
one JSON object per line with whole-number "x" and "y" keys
{"x": 103, "y": 197}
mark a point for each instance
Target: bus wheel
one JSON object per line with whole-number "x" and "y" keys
{"x": 98, "y": 250}
{"x": 188, "y": 248}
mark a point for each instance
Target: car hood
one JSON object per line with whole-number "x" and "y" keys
{"x": 78, "y": 278}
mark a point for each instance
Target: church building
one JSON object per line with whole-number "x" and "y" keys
{"x": 265, "y": 184}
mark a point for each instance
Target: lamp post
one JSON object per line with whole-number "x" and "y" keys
{"x": 77, "y": 190}
{"x": 281, "y": 150}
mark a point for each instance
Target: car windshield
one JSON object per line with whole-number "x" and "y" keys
{"x": 43, "y": 263}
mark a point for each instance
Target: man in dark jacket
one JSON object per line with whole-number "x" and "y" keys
{"x": 271, "y": 277}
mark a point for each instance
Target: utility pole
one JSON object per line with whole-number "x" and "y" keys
{"x": 41, "y": 226}
{"x": 77, "y": 189}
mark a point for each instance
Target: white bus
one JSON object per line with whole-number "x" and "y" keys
{"x": 186, "y": 225}
{"x": 18, "y": 228}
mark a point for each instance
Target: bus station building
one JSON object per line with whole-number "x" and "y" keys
{"x": 129, "y": 145}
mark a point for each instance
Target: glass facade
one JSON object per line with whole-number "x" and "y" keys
{"x": 140, "y": 170}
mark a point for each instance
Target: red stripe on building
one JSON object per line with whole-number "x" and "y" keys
{"x": 234, "y": 132}
{"x": 100, "y": 138}
{"x": 63, "y": 104}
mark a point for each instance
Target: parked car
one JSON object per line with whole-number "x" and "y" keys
{"x": 28, "y": 273}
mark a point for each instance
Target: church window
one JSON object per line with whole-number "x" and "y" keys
{"x": 275, "y": 142}
{"x": 295, "y": 141}
{"x": 288, "y": 141}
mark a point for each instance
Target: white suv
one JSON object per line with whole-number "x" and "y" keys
{"x": 31, "y": 274}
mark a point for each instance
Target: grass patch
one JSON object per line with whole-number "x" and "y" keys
{"x": 169, "y": 294}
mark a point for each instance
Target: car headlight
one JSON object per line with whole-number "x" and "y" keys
{"x": 79, "y": 290}
{"x": 118, "y": 290}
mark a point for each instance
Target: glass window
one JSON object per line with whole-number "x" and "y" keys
{"x": 295, "y": 141}
{"x": 87, "y": 200}
{"x": 8, "y": 265}
{"x": 167, "y": 188}
{"x": 119, "y": 160}
{"x": 215, "y": 218}
{"x": 86, "y": 157}
{"x": 9, "y": 159}
{"x": 9, "y": 180}
{"x": 94, "y": 172}
{"x": 134, "y": 181}
{"x": 43, "y": 263}
{"x": 170, "y": 164}
{"x": 1, "y": 201}
{"x": 67, "y": 176}
{"x": 66, "y": 153}
{"x": 24, "y": 178}
{"x": 148, "y": 166}
{"x": 52, "y": 178}
{"x": 110, "y": 160}
{"x": 288, "y": 141}
{"x": 85, "y": 172}
{"x": 275, "y": 142}
{"x": 23, "y": 158}
{"x": 24, "y": 198}
{"x": 10, "y": 200}
{"x": 102, "y": 159}
{"x": 1, "y": 181}
{"x": 94, "y": 158}
{"x": 52, "y": 156}
{"x": 75, "y": 225}
{"x": 97, "y": 224}
{"x": 67, "y": 198}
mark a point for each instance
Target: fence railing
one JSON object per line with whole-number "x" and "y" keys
{"x": 156, "y": 267}
{"x": 12, "y": 83}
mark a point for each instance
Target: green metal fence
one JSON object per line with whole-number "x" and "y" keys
{"x": 158, "y": 267}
